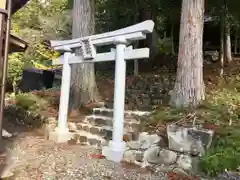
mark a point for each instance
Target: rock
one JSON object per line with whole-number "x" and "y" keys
{"x": 131, "y": 156}
{"x": 203, "y": 135}
{"x": 134, "y": 145}
{"x": 72, "y": 126}
{"x": 190, "y": 140}
{"x": 210, "y": 56}
{"x": 129, "y": 136}
{"x": 157, "y": 155}
{"x": 185, "y": 162}
{"x": 51, "y": 120}
{"x": 147, "y": 140}
{"x": 6, "y": 134}
{"x": 164, "y": 168}
{"x": 197, "y": 148}
{"x": 229, "y": 176}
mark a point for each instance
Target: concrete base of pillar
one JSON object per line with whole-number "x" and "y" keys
{"x": 60, "y": 136}
{"x": 114, "y": 151}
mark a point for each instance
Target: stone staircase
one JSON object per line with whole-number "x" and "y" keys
{"x": 96, "y": 129}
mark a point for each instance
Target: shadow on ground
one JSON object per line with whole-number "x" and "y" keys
{"x": 11, "y": 128}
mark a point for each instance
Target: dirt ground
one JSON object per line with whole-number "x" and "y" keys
{"x": 28, "y": 156}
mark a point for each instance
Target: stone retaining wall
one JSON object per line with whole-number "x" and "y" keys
{"x": 143, "y": 93}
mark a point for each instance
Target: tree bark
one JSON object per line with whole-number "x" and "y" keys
{"x": 146, "y": 13}
{"x": 189, "y": 89}
{"x": 228, "y": 51}
{"x": 236, "y": 44}
{"x": 136, "y": 62}
{"x": 222, "y": 42}
{"x": 172, "y": 38}
{"x": 83, "y": 84}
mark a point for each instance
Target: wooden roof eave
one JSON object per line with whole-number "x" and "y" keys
{"x": 17, "y": 45}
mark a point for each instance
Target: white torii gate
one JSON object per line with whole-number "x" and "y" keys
{"x": 121, "y": 38}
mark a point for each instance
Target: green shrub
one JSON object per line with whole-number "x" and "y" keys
{"x": 29, "y": 101}
{"x": 222, "y": 107}
{"x": 165, "y": 45}
{"x": 169, "y": 114}
{"x": 15, "y": 68}
{"x": 224, "y": 152}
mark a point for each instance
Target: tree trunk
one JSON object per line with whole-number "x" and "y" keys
{"x": 83, "y": 84}
{"x": 236, "y": 44}
{"x": 189, "y": 89}
{"x": 228, "y": 51}
{"x": 172, "y": 38}
{"x": 222, "y": 42}
{"x": 136, "y": 62}
{"x": 146, "y": 13}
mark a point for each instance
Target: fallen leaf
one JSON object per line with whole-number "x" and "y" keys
{"x": 97, "y": 156}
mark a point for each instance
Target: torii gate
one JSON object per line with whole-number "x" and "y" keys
{"x": 121, "y": 38}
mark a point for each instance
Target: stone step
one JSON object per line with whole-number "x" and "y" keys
{"x": 86, "y": 138}
{"x": 109, "y": 112}
{"x": 99, "y": 120}
{"x": 104, "y": 131}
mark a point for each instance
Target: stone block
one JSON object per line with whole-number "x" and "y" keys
{"x": 147, "y": 140}
{"x": 86, "y": 128}
{"x": 94, "y": 130}
{"x": 135, "y": 127}
{"x": 131, "y": 156}
{"x": 83, "y": 139}
{"x": 106, "y": 122}
{"x": 185, "y": 162}
{"x": 60, "y": 137}
{"x": 107, "y": 113}
{"x": 94, "y": 142}
{"x": 128, "y": 136}
{"x": 72, "y": 126}
{"x": 105, "y": 133}
{"x": 190, "y": 140}
{"x": 157, "y": 155}
{"x": 134, "y": 145}
{"x": 79, "y": 126}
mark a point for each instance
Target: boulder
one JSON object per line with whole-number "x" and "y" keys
{"x": 190, "y": 140}
{"x": 147, "y": 140}
{"x": 6, "y": 134}
{"x": 157, "y": 155}
{"x": 134, "y": 145}
{"x": 185, "y": 162}
{"x": 131, "y": 156}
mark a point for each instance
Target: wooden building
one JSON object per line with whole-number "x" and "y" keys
{"x": 8, "y": 44}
